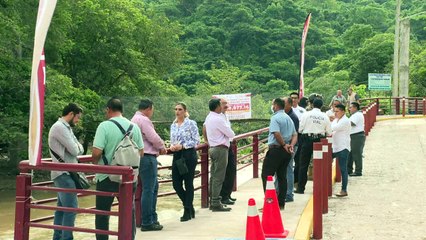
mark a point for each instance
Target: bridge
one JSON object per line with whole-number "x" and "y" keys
{"x": 382, "y": 203}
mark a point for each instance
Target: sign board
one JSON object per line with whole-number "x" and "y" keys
{"x": 239, "y": 105}
{"x": 379, "y": 81}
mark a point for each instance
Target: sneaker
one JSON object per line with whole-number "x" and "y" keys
{"x": 152, "y": 227}
{"x": 342, "y": 194}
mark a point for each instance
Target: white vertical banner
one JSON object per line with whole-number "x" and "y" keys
{"x": 239, "y": 105}
{"x": 44, "y": 17}
{"x": 302, "y": 56}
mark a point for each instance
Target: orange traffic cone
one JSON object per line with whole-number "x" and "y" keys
{"x": 271, "y": 218}
{"x": 253, "y": 228}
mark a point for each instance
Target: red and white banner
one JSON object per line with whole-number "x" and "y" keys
{"x": 239, "y": 105}
{"x": 302, "y": 55}
{"x": 38, "y": 77}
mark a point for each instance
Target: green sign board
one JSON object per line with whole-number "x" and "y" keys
{"x": 379, "y": 81}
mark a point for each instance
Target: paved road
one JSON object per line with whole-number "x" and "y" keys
{"x": 389, "y": 201}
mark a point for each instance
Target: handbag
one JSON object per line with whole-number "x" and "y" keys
{"x": 181, "y": 166}
{"x": 79, "y": 178}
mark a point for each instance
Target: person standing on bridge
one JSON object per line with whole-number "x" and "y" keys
{"x": 288, "y": 101}
{"x": 218, "y": 135}
{"x": 107, "y": 138}
{"x": 357, "y": 140}
{"x": 313, "y": 126}
{"x": 154, "y": 146}
{"x": 341, "y": 127}
{"x": 281, "y": 141}
{"x": 338, "y": 97}
{"x": 231, "y": 167}
{"x": 184, "y": 137}
{"x": 64, "y": 147}
{"x": 352, "y": 96}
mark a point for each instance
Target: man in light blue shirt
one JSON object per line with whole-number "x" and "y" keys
{"x": 281, "y": 140}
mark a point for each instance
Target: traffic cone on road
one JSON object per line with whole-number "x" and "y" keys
{"x": 271, "y": 218}
{"x": 253, "y": 228}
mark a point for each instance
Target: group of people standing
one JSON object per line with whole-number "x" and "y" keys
{"x": 184, "y": 137}
{"x": 293, "y": 130}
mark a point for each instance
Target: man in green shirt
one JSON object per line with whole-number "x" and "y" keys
{"x": 107, "y": 137}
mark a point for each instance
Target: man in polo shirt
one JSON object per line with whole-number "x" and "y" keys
{"x": 107, "y": 138}
{"x": 218, "y": 135}
{"x": 281, "y": 140}
{"x": 154, "y": 146}
{"x": 357, "y": 140}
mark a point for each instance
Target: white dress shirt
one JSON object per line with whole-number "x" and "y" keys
{"x": 315, "y": 122}
{"x": 341, "y": 134}
{"x": 218, "y": 130}
{"x": 299, "y": 111}
{"x": 357, "y": 120}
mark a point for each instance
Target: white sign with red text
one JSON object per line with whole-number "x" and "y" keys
{"x": 239, "y": 105}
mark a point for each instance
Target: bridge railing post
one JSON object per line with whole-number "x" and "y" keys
{"x": 205, "y": 177}
{"x": 317, "y": 188}
{"x": 325, "y": 174}
{"x": 330, "y": 167}
{"x": 424, "y": 106}
{"x": 125, "y": 205}
{"x": 256, "y": 156}
{"x": 234, "y": 150}
{"x": 397, "y": 106}
{"x": 416, "y": 106}
{"x": 403, "y": 106}
{"x": 22, "y": 211}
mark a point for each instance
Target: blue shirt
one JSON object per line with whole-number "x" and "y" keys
{"x": 281, "y": 122}
{"x": 186, "y": 134}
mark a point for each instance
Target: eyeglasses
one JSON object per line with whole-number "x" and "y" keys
{"x": 294, "y": 97}
{"x": 178, "y": 109}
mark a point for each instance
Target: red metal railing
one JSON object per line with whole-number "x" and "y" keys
{"x": 398, "y": 105}
{"x": 25, "y": 186}
{"x": 24, "y": 204}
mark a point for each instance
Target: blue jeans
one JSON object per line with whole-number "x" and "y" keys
{"x": 65, "y": 200}
{"x": 148, "y": 175}
{"x": 290, "y": 176}
{"x": 342, "y": 157}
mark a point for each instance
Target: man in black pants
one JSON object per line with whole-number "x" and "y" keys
{"x": 281, "y": 140}
{"x": 314, "y": 125}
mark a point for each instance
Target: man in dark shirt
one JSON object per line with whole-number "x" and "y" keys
{"x": 290, "y": 173}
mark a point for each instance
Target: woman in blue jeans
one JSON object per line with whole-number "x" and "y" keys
{"x": 184, "y": 137}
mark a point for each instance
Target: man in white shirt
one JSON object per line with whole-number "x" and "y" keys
{"x": 314, "y": 125}
{"x": 330, "y": 113}
{"x": 341, "y": 127}
{"x": 357, "y": 140}
{"x": 298, "y": 110}
{"x": 218, "y": 135}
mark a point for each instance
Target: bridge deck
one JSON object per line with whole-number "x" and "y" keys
{"x": 388, "y": 201}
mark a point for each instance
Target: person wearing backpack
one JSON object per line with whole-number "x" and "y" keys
{"x": 64, "y": 147}
{"x": 108, "y": 136}
{"x": 154, "y": 146}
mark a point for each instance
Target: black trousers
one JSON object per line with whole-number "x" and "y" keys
{"x": 186, "y": 194}
{"x": 305, "y": 158}
{"x": 231, "y": 172}
{"x": 105, "y": 203}
{"x": 276, "y": 162}
{"x": 355, "y": 156}
{"x": 297, "y": 158}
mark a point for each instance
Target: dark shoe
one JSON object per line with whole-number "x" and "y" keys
{"x": 227, "y": 202}
{"x": 298, "y": 191}
{"x": 355, "y": 174}
{"x": 186, "y": 215}
{"x": 289, "y": 200}
{"x": 220, "y": 208}
{"x": 282, "y": 206}
{"x": 152, "y": 227}
{"x": 192, "y": 212}
{"x": 232, "y": 199}
{"x": 342, "y": 194}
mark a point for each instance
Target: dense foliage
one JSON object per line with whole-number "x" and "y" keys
{"x": 190, "y": 49}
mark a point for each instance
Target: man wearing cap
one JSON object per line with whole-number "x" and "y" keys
{"x": 314, "y": 125}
